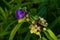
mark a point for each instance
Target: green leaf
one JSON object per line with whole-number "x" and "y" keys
{"x": 7, "y": 4}
{"x": 10, "y": 25}
{"x": 18, "y": 1}
{"x": 3, "y": 13}
{"x": 58, "y": 36}
{"x": 43, "y": 38}
{"x": 1, "y": 18}
{"x": 38, "y": 1}
{"x": 28, "y": 36}
{"x": 13, "y": 32}
{"x": 3, "y": 33}
{"x": 11, "y": 1}
{"x": 42, "y": 11}
{"x": 34, "y": 37}
{"x": 33, "y": 11}
{"x": 50, "y": 35}
{"x": 19, "y": 38}
{"x": 57, "y": 20}
{"x": 15, "y": 29}
{"x": 19, "y": 5}
{"x": 7, "y": 12}
{"x": 23, "y": 30}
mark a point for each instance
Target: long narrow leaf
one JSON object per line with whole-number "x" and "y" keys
{"x": 28, "y": 36}
{"x": 57, "y": 20}
{"x": 15, "y": 29}
{"x": 7, "y": 4}
{"x": 50, "y": 35}
{"x": 3, "y": 33}
{"x": 3, "y": 13}
{"x": 42, "y": 11}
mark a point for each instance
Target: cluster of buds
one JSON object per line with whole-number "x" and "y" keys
{"x": 42, "y": 22}
{"x": 37, "y": 27}
{"x": 34, "y": 29}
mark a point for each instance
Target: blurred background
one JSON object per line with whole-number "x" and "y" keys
{"x": 48, "y": 9}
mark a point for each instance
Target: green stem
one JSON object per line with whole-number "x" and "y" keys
{"x": 39, "y": 37}
{"x": 15, "y": 29}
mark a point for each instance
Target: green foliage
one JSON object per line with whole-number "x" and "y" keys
{"x": 3, "y": 13}
{"x": 28, "y": 36}
{"x": 57, "y": 20}
{"x": 13, "y": 29}
{"x": 50, "y": 35}
{"x": 14, "y": 32}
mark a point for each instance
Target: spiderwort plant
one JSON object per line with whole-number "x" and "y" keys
{"x": 20, "y": 15}
{"x": 38, "y": 24}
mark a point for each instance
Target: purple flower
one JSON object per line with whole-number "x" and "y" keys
{"x": 20, "y": 13}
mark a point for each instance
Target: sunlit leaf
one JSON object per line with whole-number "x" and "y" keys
{"x": 43, "y": 38}
{"x": 15, "y": 29}
{"x": 50, "y": 35}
